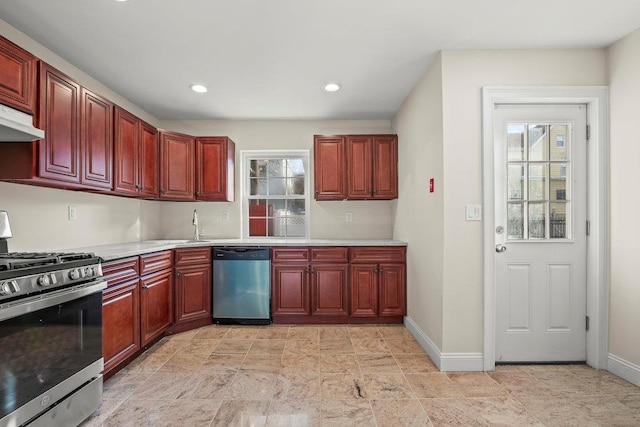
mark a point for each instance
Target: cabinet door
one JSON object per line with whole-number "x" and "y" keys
{"x": 329, "y": 290}
{"x": 120, "y": 322}
{"x": 385, "y": 167}
{"x": 176, "y": 166}
{"x": 363, "y": 279}
{"x": 17, "y": 77}
{"x": 126, "y": 152}
{"x": 290, "y": 290}
{"x": 60, "y": 119}
{"x": 148, "y": 165}
{"x": 156, "y": 304}
{"x": 97, "y": 140}
{"x": 193, "y": 292}
{"x": 329, "y": 168}
{"x": 215, "y": 157}
{"x": 359, "y": 173}
{"x": 392, "y": 289}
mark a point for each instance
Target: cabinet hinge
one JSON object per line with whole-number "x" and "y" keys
{"x": 588, "y": 228}
{"x": 588, "y": 132}
{"x": 587, "y": 323}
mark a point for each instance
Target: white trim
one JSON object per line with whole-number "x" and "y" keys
{"x": 445, "y": 362}
{"x": 625, "y": 370}
{"x": 596, "y": 99}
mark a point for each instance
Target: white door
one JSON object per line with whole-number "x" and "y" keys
{"x": 540, "y": 232}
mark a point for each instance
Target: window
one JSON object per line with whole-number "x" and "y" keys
{"x": 275, "y": 194}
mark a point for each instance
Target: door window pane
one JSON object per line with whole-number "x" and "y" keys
{"x": 558, "y": 221}
{"x": 515, "y": 142}
{"x": 515, "y": 182}
{"x": 559, "y": 149}
{"x": 537, "y": 220}
{"x": 538, "y": 142}
{"x": 515, "y": 227}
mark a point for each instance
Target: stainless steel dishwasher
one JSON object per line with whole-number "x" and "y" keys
{"x": 242, "y": 285}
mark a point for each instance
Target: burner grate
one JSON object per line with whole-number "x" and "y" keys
{"x": 23, "y": 260}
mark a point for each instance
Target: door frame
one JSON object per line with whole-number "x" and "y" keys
{"x": 596, "y": 100}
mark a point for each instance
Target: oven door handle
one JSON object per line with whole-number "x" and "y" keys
{"x": 38, "y": 302}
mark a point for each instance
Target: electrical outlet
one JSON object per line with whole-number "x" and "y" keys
{"x": 225, "y": 216}
{"x": 473, "y": 213}
{"x": 349, "y": 217}
{"x": 73, "y": 215}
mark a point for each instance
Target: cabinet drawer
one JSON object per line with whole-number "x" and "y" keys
{"x": 155, "y": 262}
{"x": 116, "y": 272}
{"x": 289, "y": 254}
{"x": 377, "y": 254}
{"x": 192, "y": 256}
{"x": 329, "y": 254}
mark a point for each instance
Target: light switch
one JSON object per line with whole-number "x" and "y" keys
{"x": 473, "y": 213}
{"x": 225, "y": 216}
{"x": 73, "y": 215}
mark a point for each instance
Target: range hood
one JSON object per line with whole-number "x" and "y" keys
{"x": 16, "y": 126}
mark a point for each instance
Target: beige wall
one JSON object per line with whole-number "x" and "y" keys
{"x": 419, "y": 215}
{"x": 371, "y": 219}
{"x": 624, "y": 94}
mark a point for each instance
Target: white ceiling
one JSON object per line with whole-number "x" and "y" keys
{"x": 269, "y": 59}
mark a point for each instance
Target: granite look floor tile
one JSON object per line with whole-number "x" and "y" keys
{"x": 436, "y": 384}
{"x": 202, "y": 347}
{"x": 451, "y": 412}
{"x": 182, "y": 364}
{"x": 216, "y": 362}
{"x": 394, "y": 332}
{"x": 333, "y": 333}
{"x": 253, "y": 385}
{"x": 476, "y": 384}
{"x": 400, "y": 413}
{"x": 596, "y": 381}
{"x": 208, "y": 385}
{"x": 187, "y": 335}
{"x": 519, "y": 382}
{"x": 241, "y": 413}
{"x": 262, "y": 363}
{"x": 168, "y": 346}
{"x": 342, "y": 386}
{"x": 504, "y": 411}
{"x": 228, "y": 346}
{"x": 295, "y": 413}
{"x": 212, "y": 332}
{"x": 339, "y": 363}
{"x": 415, "y": 363}
{"x": 403, "y": 346}
{"x": 297, "y": 385}
{"x": 272, "y": 347}
{"x": 378, "y": 363}
{"x": 364, "y": 332}
{"x": 273, "y": 332}
{"x": 375, "y": 346}
{"x": 123, "y": 384}
{"x": 341, "y": 413}
{"x": 308, "y": 362}
{"x": 337, "y": 346}
{"x": 138, "y": 413}
{"x": 387, "y": 386}
{"x": 147, "y": 363}
{"x": 191, "y": 412}
{"x": 161, "y": 386}
{"x": 242, "y": 332}
{"x": 105, "y": 410}
{"x": 297, "y": 332}
{"x": 302, "y": 346}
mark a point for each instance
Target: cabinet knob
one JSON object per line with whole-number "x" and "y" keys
{"x": 178, "y": 275}
{"x": 145, "y": 287}
{"x": 162, "y": 191}
{"x": 197, "y": 193}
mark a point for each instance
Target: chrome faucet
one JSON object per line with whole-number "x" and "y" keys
{"x": 194, "y": 221}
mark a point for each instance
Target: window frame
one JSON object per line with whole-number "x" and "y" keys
{"x": 246, "y": 156}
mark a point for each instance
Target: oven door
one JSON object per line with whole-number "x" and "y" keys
{"x": 51, "y": 345}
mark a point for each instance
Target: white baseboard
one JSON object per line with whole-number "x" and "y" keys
{"x": 625, "y": 370}
{"x": 446, "y": 362}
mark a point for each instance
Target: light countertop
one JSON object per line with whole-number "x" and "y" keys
{"x": 124, "y": 250}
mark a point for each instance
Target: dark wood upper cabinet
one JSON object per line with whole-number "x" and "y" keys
{"x": 18, "y": 84}
{"x": 356, "y": 167}
{"x": 215, "y": 172}
{"x": 97, "y": 140}
{"x": 136, "y": 156}
{"x": 59, "y": 116}
{"x": 329, "y": 168}
{"x": 177, "y": 162}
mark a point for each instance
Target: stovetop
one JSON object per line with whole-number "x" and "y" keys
{"x": 27, "y": 273}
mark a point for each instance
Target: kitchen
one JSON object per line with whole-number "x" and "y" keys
{"x": 435, "y": 281}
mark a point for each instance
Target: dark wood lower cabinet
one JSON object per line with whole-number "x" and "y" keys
{"x": 193, "y": 293}
{"x": 156, "y": 304}
{"x": 329, "y": 290}
{"x": 121, "y": 323}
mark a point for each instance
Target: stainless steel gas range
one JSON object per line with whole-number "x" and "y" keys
{"x": 50, "y": 338}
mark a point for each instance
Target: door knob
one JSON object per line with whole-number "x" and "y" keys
{"x": 500, "y": 248}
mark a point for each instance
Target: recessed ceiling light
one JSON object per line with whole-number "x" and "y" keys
{"x": 332, "y": 87}
{"x": 121, "y": 0}
{"x": 198, "y": 88}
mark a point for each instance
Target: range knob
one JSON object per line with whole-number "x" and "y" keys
{"x": 74, "y": 274}
{"x": 8, "y": 288}
{"x": 44, "y": 280}
{"x": 88, "y": 272}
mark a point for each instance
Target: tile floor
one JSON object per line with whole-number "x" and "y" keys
{"x": 346, "y": 376}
